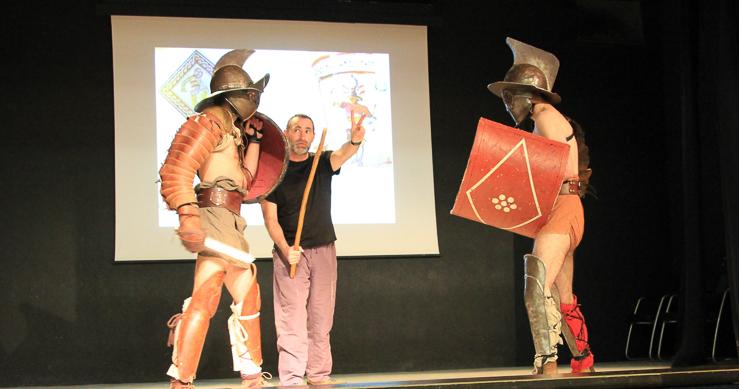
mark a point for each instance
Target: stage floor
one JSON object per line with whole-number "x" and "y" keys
{"x": 610, "y": 375}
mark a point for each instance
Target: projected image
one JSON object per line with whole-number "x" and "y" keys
{"x": 327, "y": 86}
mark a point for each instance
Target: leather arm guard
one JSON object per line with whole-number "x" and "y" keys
{"x": 191, "y": 146}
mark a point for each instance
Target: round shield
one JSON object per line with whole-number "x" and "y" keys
{"x": 273, "y": 158}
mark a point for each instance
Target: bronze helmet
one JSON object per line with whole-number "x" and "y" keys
{"x": 234, "y": 83}
{"x": 532, "y": 74}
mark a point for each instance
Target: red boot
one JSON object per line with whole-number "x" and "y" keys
{"x": 576, "y": 323}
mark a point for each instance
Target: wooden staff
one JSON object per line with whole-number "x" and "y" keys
{"x": 304, "y": 203}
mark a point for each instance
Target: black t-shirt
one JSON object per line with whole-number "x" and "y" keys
{"x": 318, "y": 228}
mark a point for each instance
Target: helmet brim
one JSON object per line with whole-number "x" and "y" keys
{"x": 497, "y": 89}
{"x": 211, "y": 98}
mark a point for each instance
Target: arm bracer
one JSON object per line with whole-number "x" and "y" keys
{"x": 191, "y": 146}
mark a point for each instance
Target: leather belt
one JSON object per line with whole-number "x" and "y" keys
{"x": 570, "y": 187}
{"x": 222, "y": 198}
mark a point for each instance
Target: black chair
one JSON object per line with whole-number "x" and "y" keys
{"x": 723, "y": 345}
{"x": 667, "y": 334}
{"x": 640, "y": 341}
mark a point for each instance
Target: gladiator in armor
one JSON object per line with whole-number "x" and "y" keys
{"x": 225, "y": 145}
{"x": 552, "y": 308}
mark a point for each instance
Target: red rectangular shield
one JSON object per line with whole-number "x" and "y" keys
{"x": 512, "y": 178}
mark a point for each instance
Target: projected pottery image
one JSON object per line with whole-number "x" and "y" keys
{"x": 359, "y": 83}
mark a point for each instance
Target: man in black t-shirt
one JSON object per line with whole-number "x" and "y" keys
{"x": 304, "y": 306}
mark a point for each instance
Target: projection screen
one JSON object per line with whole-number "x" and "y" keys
{"x": 383, "y": 199}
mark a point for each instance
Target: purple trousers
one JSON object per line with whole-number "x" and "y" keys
{"x": 304, "y": 314}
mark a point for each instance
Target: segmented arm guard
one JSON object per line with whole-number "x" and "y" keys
{"x": 192, "y": 144}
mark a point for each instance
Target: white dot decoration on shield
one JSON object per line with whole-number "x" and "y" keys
{"x": 504, "y": 203}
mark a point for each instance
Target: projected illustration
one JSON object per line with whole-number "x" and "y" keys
{"x": 351, "y": 83}
{"x": 327, "y": 86}
{"x": 189, "y": 83}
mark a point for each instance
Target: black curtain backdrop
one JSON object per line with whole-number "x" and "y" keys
{"x": 726, "y": 86}
{"x": 654, "y": 84}
{"x": 698, "y": 67}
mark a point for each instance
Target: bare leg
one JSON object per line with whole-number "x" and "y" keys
{"x": 205, "y": 267}
{"x": 565, "y": 277}
{"x": 551, "y": 249}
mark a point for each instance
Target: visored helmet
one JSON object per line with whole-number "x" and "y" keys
{"x": 532, "y": 74}
{"x": 233, "y": 83}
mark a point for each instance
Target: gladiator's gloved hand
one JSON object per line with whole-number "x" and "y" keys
{"x": 293, "y": 256}
{"x": 191, "y": 235}
{"x": 253, "y": 130}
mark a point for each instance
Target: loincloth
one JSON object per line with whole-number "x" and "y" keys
{"x": 221, "y": 224}
{"x": 566, "y": 218}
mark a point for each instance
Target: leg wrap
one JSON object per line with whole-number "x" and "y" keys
{"x": 244, "y": 331}
{"x": 582, "y": 357}
{"x": 191, "y": 328}
{"x": 567, "y": 334}
{"x": 544, "y": 318}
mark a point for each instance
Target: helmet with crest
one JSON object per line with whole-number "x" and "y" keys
{"x": 531, "y": 76}
{"x": 232, "y": 83}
